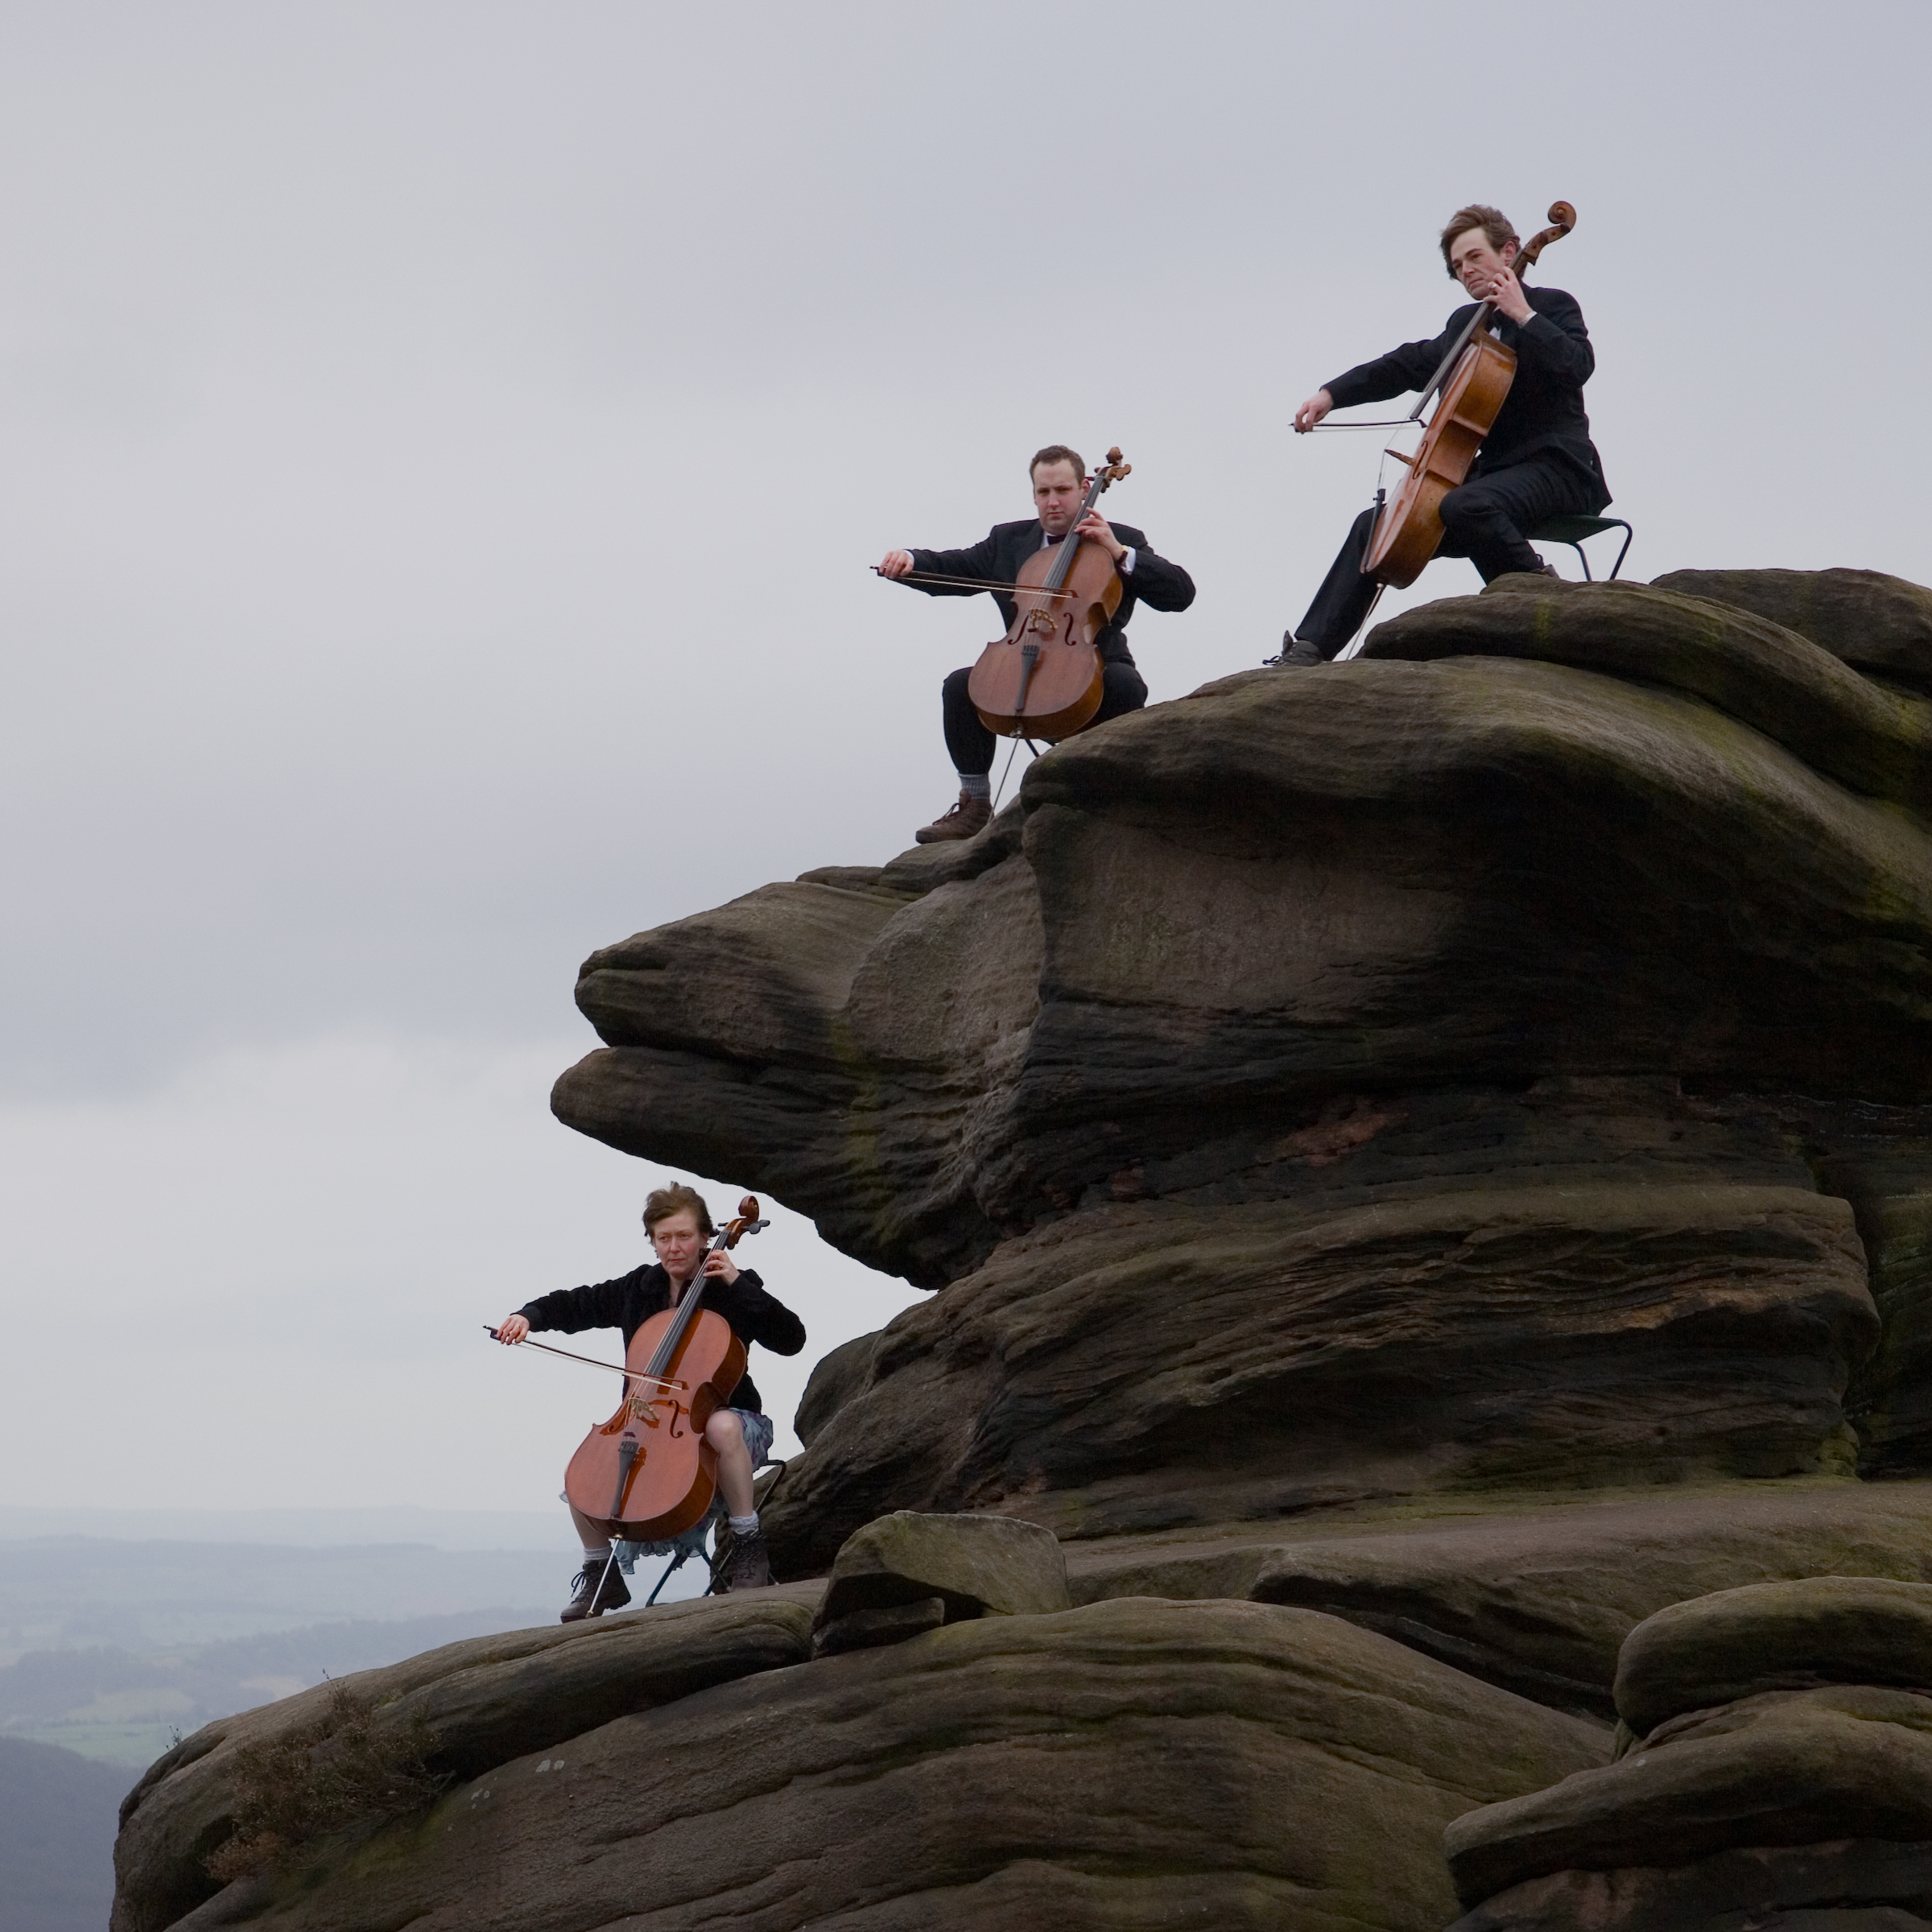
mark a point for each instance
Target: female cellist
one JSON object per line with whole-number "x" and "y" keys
{"x": 1519, "y": 399}
{"x": 737, "y": 1434}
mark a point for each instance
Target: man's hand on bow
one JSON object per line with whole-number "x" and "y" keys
{"x": 1312, "y": 411}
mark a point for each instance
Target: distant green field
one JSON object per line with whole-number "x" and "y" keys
{"x": 126, "y": 1707}
{"x": 131, "y": 1747}
{"x": 56, "y": 1592}
{"x": 112, "y": 1648}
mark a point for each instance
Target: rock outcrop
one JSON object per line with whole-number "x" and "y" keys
{"x": 1123, "y": 1764}
{"x": 1779, "y": 1757}
{"x": 1463, "y": 1340}
{"x": 1878, "y": 624}
{"x": 483, "y": 1702}
{"x": 909, "y": 1572}
{"x": 1426, "y": 1165}
{"x": 1499, "y": 1059}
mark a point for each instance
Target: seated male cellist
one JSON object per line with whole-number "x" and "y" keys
{"x": 677, "y": 1223}
{"x": 1537, "y": 462}
{"x": 1059, "y": 485}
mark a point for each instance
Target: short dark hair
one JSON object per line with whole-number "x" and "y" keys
{"x": 1493, "y": 221}
{"x": 660, "y": 1203}
{"x": 1058, "y": 453}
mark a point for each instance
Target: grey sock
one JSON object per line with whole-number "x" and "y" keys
{"x": 976, "y": 785}
{"x": 744, "y": 1525}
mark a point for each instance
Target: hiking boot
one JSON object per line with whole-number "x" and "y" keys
{"x": 588, "y": 1599}
{"x": 749, "y": 1566}
{"x": 1295, "y": 652}
{"x": 967, "y": 819}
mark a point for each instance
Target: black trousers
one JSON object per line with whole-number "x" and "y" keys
{"x": 1487, "y": 520}
{"x": 1122, "y": 690}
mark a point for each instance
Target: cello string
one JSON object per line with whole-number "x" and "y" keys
{"x": 728, "y": 1237}
{"x": 687, "y": 1306}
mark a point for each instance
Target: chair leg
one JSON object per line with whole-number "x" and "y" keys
{"x": 1582, "y": 557}
{"x": 677, "y": 1563}
{"x": 1628, "y": 532}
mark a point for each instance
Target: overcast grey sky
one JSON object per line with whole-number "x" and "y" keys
{"x": 440, "y": 446}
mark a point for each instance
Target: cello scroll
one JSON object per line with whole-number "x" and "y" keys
{"x": 1562, "y": 218}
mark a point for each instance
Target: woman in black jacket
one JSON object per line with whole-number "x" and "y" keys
{"x": 677, "y": 1224}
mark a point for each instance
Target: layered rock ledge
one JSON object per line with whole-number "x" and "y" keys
{"x": 1774, "y": 1771}
{"x": 1426, "y": 1168}
{"x": 1501, "y": 1059}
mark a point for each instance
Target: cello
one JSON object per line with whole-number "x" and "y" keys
{"x": 1043, "y": 678}
{"x": 648, "y": 1472}
{"x": 1474, "y": 379}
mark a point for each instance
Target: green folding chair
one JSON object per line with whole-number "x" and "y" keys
{"x": 1574, "y": 530}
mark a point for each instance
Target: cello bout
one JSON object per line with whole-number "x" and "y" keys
{"x": 1411, "y": 529}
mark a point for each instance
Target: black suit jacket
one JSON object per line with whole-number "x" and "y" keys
{"x": 632, "y": 1299}
{"x": 998, "y": 558}
{"x": 1543, "y": 412}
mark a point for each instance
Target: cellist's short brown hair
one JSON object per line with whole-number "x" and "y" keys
{"x": 660, "y": 1203}
{"x": 1057, "y": 453}
{"x": 1493, "y": 221}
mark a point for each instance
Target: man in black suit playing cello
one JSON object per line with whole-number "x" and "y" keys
{"x": 1060, "y": 487}
{"x": 1537, "y": 462}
